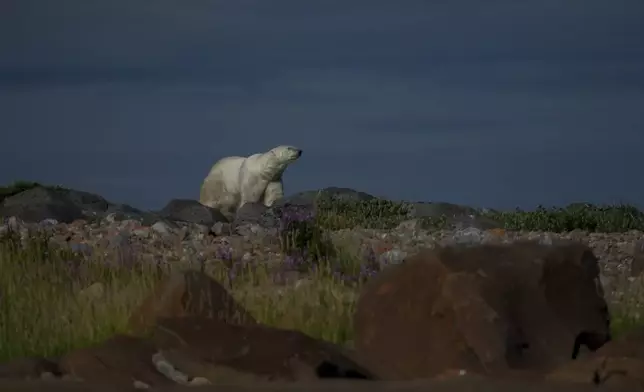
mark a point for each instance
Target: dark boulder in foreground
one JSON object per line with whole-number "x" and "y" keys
{"x": 188, "y": 293}
{"x": 488, "y": 309}
{"x": 215, "y": 350}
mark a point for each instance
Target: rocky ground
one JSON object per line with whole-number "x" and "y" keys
{"x": 188, "y": 235}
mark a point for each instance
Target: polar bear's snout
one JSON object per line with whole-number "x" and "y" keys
{"x": 287, "y": 153}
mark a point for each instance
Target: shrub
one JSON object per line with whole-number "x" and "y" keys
{"x": 586, "y": 217}
{"x": 334, "y": 214}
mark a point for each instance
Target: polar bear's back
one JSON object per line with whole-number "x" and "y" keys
{"x": 227, "y": 168}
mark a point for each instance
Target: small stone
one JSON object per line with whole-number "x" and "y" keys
{"x": 49, "y": 222}
{"x": 140, "y": 385}
{"x": 467, "y": 236}
{"x": 162, "y": 228}
{"x": 221, "y": 228}
{"x": 14, "y": 223}
{"x": 247, "y": 257}
{"x": 391, "y": 257}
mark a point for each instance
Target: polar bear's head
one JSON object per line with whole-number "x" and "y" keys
{"x": 286, "y": 154}
{"x": 275, "y": 161}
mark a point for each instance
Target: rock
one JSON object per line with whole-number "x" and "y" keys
{"x": 122, "y": 212}
{"x": 119, "y": 361}
{"x": 484, "y": 309}
{"x": 28, "y": 368}
{"x": 189, "y": 293}
{"x": 221, "y": 229}
{"x": 391, "y": 257}
{"x": 89, "y": 203}
{"x": 37, "y": 204}
{"x": 191, "y": 211}
{"x": 308, "y": 198}
{"x": 618, "y": 363}
{"x": 255, "y": 214}
{"x": 210, "y": 349}
{"x": 162, "y": 228}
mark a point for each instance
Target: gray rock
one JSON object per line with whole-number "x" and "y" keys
{"x": 391, "y": 257}
{"x": 88, "y": 202}
{"x": 438, "y": 209}
{"x": 253, "y": 229}
{"x": 308, "y": 198}
{"x": 162, "y": 228}
{"x": 121, "y": 212}
{"x": 192, "y": 211}
{"x": 38, "y": 204}
{"x": 255, "y": 214}
{"x": 221, "y": 229}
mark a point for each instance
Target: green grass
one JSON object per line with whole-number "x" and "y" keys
{"x": 383, "y": 214}
{"x": 43, "y": 311}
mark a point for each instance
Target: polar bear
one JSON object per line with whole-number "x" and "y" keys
{"x": 235, "y": 181}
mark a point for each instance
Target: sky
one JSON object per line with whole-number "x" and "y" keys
{"x": 498, "y": 104}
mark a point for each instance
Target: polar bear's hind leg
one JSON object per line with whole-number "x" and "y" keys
{"x": 215, "y": 195}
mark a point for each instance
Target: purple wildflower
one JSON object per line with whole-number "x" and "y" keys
{"x": 224, "y": 253}
{"x": 371, "y": 256}
{"x": 295, "y": 214}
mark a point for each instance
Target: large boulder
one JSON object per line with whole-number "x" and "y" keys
{"x": 40, "y": 203}
{"x": 308, "y": 198}
{"x": 216, "y": 351}
{"x": 188, "y": 293}
{"x": 192, "y": 211}
{"x": 488, "y": 309}
{"x": 255, "y": 214}
{"x": 28, "y": 368}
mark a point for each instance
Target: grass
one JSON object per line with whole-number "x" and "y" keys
{"x": 45, "y": 311}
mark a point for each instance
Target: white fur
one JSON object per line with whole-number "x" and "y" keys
{"x": 235, "y": 181}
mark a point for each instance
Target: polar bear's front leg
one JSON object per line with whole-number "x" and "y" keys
{"x": 274, "y": 191}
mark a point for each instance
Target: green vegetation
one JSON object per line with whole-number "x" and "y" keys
{"x": 586, "y": 217}
{"x": 47, "y": 306}
{"x": 383, "y": 214}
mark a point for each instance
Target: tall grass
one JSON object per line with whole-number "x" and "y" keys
{"x": 49, "y": 305}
